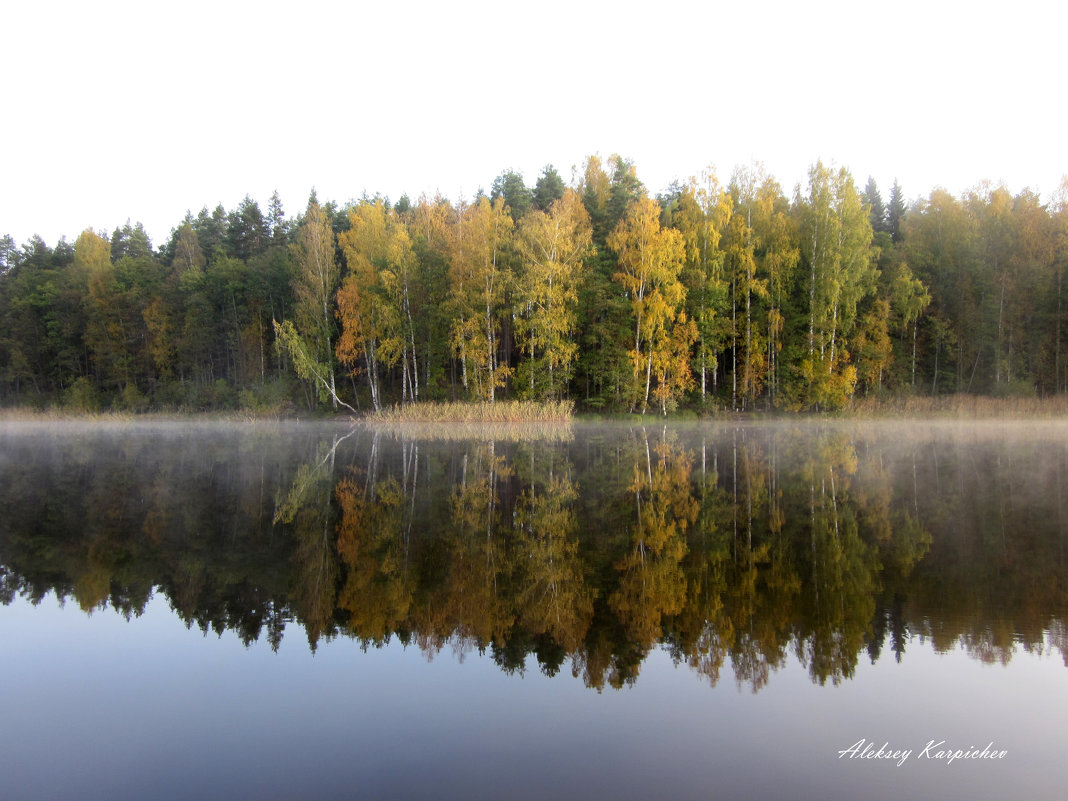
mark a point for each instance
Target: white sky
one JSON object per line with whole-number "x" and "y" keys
{"x": 145, "y": 110}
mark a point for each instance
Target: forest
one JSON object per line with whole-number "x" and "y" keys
{"x": 709, "y": 296}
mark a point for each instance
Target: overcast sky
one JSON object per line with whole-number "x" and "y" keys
{"x": 145, "y": 110}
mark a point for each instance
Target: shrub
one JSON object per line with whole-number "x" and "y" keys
{"x": 81, "y": 397}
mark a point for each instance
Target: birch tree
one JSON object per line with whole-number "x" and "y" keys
{"x": 650, "y": 261}
{"x": 374, "y": 302}
{"x": 910, "y": 297}
{"x": 551, "y": 247}
{"x": 836, "y": 237}
{"x": 478, "y": 285}
{"x": 310, "y": 338}
{"x": 778, "y": 256}
{"x": 703, "y": 212}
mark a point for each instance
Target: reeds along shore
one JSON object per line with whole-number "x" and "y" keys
{"x": 963, "y": 407}
{"x": 958, "y": 407}
{"x": 501, "y": 412}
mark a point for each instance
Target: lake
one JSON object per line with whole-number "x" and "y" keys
{"x": 806, "y": 610}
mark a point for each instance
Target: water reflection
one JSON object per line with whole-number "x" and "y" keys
{"x": 740, "y": 546}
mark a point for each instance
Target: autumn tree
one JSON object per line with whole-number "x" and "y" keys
{"x": 310, "y": 340}
{"x": 478, "y": 286}
{"x": 106, "y": 330}
{"x": 778, "y": 255}
{"x": 551, "y": 247}
{"x": 374, "y": 302}
{"x": 650, "y": 261}
{"x": 909, "y": 298}
{"x": 759, "y": 254}
{"x": 701, "y": 214}
{"x": 872, "y": 346}
{"x": 836, "y": 241}
{"x": 188, "y": 255}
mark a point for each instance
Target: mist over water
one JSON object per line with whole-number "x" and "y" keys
{"x": 522, "y": 573}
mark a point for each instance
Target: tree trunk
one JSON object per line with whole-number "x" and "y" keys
{"x": 915, "y": 324}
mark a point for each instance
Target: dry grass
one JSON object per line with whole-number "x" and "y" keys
{"x": 23, "y": 414}
{"x": 504, "y": 412}
{"x": 959, "y": 407}
{"x": 60, "y": 415}
{"x": 514, "y": 421}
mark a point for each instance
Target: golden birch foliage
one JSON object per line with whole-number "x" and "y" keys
{"x": 778, "y": 255}
{"x": 910, "y": 296}
{"x": 309, "y": 339}
{"x": 671, "y": 364}
{"x": 432, "y": 219}
{"x": 836, "y": 236}
{"x": 650, "y": 260}
{"x": 874, "y": 351}
{"x": 316, "y": 280}
{"x": 160, "y": 336}
{"x": 596, "y": 185}
{"x": 740, "y": 245}
{"x": 188, "y": 257}
{"x": 371, "y": 301}
{"x": 703, "y": 212}
{"x": 478, "y": 287}
{"x": 105, "y": 329}
{"x": 552, "y": 247}
{"x": 92, "y": 253}
{"x": 856, "y": 274}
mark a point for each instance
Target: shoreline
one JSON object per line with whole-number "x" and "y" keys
{"x": 959, "y": 408}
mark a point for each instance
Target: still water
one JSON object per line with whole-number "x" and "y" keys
{"x": 715, "y": 611}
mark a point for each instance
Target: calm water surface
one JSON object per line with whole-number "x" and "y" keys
{"x": 714, "y": 611}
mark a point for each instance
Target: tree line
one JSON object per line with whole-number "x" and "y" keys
{"x": 707, "y": 296}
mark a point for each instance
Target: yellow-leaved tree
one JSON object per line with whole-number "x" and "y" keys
{"x": 703, "y": 211}
{"x": 836, "y": 237}
{"x": 552, "y": 247}
{"x": 373, "y": 302}
{"x": 310, "y": 342}
{"x": 477, "y": 288}
{"x": 650, "y": 261}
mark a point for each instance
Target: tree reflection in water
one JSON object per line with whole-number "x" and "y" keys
{"x": 739, "y": 545}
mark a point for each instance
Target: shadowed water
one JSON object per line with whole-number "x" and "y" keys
{"x": 763, "y": 596}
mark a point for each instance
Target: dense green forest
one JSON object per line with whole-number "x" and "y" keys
{"x": 708, "y": 296}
